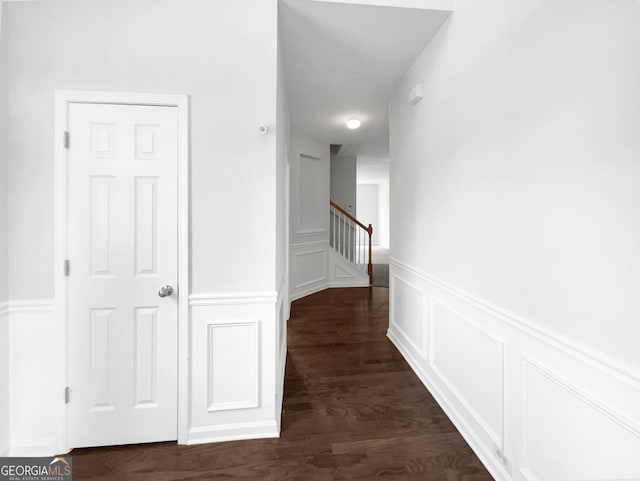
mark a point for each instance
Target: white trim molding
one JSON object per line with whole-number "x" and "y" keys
{"x": 35, "y": 305}
{"x": 232, "y": 298}
{"x": 444, "y": 5}
{"x": 182, "y": 103}
{"x": 233, "y": 432}
{"x": 518, "y": 394}
{"x": 311, "y": 232}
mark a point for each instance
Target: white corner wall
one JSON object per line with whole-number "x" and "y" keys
{"x": 226, "y": 62}
{"x": 514, "y": 222}
{"x": 283, "y": 306}
{"x": 310, "y": 184}
{"x": 4, "y": 289}
{"x": 4, "y": 295}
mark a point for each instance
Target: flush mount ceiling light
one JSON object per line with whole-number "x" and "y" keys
{"x": 353, "y": 124}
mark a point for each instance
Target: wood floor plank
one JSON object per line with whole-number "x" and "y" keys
{"x": 353, "y": 410}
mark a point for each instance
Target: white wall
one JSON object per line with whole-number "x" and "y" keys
{"x": 226, "y": 62}
{"x": 4, "y": 317}
{"x": 525, "y": 191}
{"x": 343, "y": 182}
{"x": 3, "y": 164}
{"x": 368, "y": 196}
{"x": 514, "y": 222}
{"x": 376, "y": 172}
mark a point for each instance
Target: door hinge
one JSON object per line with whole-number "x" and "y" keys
{"x": 67, "y": 268}
{"x": 67, "y": 395}
{"x": 67, "y": 140}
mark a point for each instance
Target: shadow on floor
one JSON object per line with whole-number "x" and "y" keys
{"x": 381, "y": 275}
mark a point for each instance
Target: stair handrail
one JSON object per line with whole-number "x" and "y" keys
{"x": 368, "y": 229}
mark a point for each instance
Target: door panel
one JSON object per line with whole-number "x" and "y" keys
{"x": 122, "y": 247}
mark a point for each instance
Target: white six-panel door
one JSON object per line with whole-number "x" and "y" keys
{"x": 122, "y": 246}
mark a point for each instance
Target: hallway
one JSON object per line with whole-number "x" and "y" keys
{"x": 353, "y": 411}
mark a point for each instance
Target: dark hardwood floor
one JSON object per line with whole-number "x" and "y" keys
{"x": 353, "y": 410}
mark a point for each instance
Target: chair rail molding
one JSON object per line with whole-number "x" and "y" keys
{"x": 232, "y": 298}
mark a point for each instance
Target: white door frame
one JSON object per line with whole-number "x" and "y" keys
{"x": 62, "y": 101}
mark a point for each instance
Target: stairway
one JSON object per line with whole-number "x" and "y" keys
{"x": 350, "y": 242}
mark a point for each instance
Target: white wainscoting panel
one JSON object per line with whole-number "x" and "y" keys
{"x": 530, "y": 404}
{"x": 470, "y": 364}
{"x": 5, "y": 384}
{"x": 234, "y": 359}
{"x": 315, "y": 266}
{"x": 569, "y": 434}
{"x": 37, "y": 379}
{"x": 233, "y": 379}
{"x": 308, "y": 268}
{"x": 408, "y": 314}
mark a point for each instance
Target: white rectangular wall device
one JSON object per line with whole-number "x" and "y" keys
{"x": 416, "y": 94}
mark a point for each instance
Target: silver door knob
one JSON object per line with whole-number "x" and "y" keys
{"x": 165, "y": 291}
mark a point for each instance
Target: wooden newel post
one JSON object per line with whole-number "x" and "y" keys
{"x": 370, "y": 231}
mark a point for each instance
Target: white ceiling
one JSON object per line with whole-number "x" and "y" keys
{"x": 344, "y": 60}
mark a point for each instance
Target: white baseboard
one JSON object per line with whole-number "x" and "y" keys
{"x": 233, "y": 432}
{"x": 307, "y": 292}
{"x": 519, "y": 395}
{"x": 41, "y": 448}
